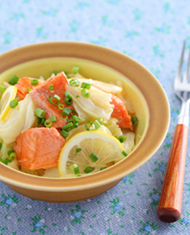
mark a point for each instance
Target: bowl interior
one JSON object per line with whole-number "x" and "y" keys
{"x": 147, "y": 96}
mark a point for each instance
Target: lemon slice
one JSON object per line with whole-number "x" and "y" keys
{"x": 106, "y": 148}
{"x": 7, "y": 97}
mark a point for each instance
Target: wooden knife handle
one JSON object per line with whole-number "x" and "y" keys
{"x": 169, "y": 208}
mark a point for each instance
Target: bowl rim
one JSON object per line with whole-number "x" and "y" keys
{"x": 111, "y": 174}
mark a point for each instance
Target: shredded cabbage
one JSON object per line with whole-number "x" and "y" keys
{"x": 97, "y": 105}
{"x": 21, "y": 118}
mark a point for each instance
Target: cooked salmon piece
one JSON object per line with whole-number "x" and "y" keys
{"x": 41, "y": 94}
{"x": 24, "y": 84}
{"x": 120, "y": 113}
{"x": 38, "y": 148}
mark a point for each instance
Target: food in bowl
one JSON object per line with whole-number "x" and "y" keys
{"x": 64, "y": 126}
{"x": 145, "y": 92}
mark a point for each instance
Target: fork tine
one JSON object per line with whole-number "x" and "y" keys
{"x": 178, "y": 77}
{"x": 186, "y": 74}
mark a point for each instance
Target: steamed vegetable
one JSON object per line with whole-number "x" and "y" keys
{"x": 21, "y": 118}
{"x": 97, "y": 105}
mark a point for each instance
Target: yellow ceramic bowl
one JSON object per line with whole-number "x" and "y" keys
{"x": 100, "y": 63}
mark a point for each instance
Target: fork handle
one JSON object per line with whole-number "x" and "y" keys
{"x": 169, "y": 208}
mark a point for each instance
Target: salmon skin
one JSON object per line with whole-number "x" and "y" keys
{"x": 41, "y": 94}
{"x": 24, "y": 84}
{"x": 120, "y": 113}
{"x": 38, "y": 148}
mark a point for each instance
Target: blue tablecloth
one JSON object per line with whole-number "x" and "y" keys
{"x": 152, "y": 32}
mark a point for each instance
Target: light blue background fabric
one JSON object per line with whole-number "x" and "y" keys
{"x": 151, "y": 32}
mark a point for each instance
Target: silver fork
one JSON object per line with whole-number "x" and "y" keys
{"x": 169, "y": 208}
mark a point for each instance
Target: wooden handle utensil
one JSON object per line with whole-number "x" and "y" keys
{"x": 169, "y": 208}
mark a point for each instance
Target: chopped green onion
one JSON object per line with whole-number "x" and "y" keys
{"x": 77, "y": 151}
{"x": 97, "y": 124}
{"x": 61, "y": 106}
{"x": 65, "y": 118}
{"x": 66, "y": 93}
{"x": 55, "y": 72}
{"x": 64, "y": 133}
{"x": 66, "y": 74}
{"x": 34, "y": 82}
{"x": 84, "y": 93}
{"x": 92, "y": 127}
{"x": 77, "y": 96}
{"x": 50, "y": 100}
{"x": 103, "y": 168}
{"x": 53, "y": 118}
{"x": 77, "y": 119}
{"x": 68, "y": 98}
{"x": 76, "y": 170}
{"x": 73, "y": 111}
{"x": 6, "y": 161}
{"x": 40, "y": 121}
{"x": 48, "y": 123}
{"x": 29, "y": 90}
{"x": 51, "y": 87}
{"x": 76, "y": 124}
{"x": 100, "y": 120}
{"x": 10, "y": 151}
{"x": 72, "y": 167}
{"x": 88, "y": 169}
{"x": 66, "y": 111}
{"x": 13, "y": 103}
{"x": 69, "y": 129}
{"x": 1, "y": 145}
{"x": 134, "y": 119}
{"x": 93, "y": 157}
{"x": 86, "y": 85}
{"x": 75, "y": 69}
{"x": 40, "y": 113}
{"x": 13, "y": 80}
{"x": 12, "y": 156}
{"x": 124, "y": 153}
{"x": 57, "y": 97}
{"x": 74, "y": 82}
{"x": 2, "y": 89}
{"x": 86, "y": 125}
{"x": 122, "y": 138}
{"x": 71, "y": 120}
{"x": 67, "y": 126}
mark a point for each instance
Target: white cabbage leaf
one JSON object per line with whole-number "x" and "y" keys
{"x": 52, "y": 173}
{"x": 107, "y": 87}
{"x": 115, "y": 130}
{"x": 4, "y": 149}
{"x": 129, "y": 143}
{"x": 21, "y": 118}
{"x": 97, "y": 105}
{"x": 15, "y": 165}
